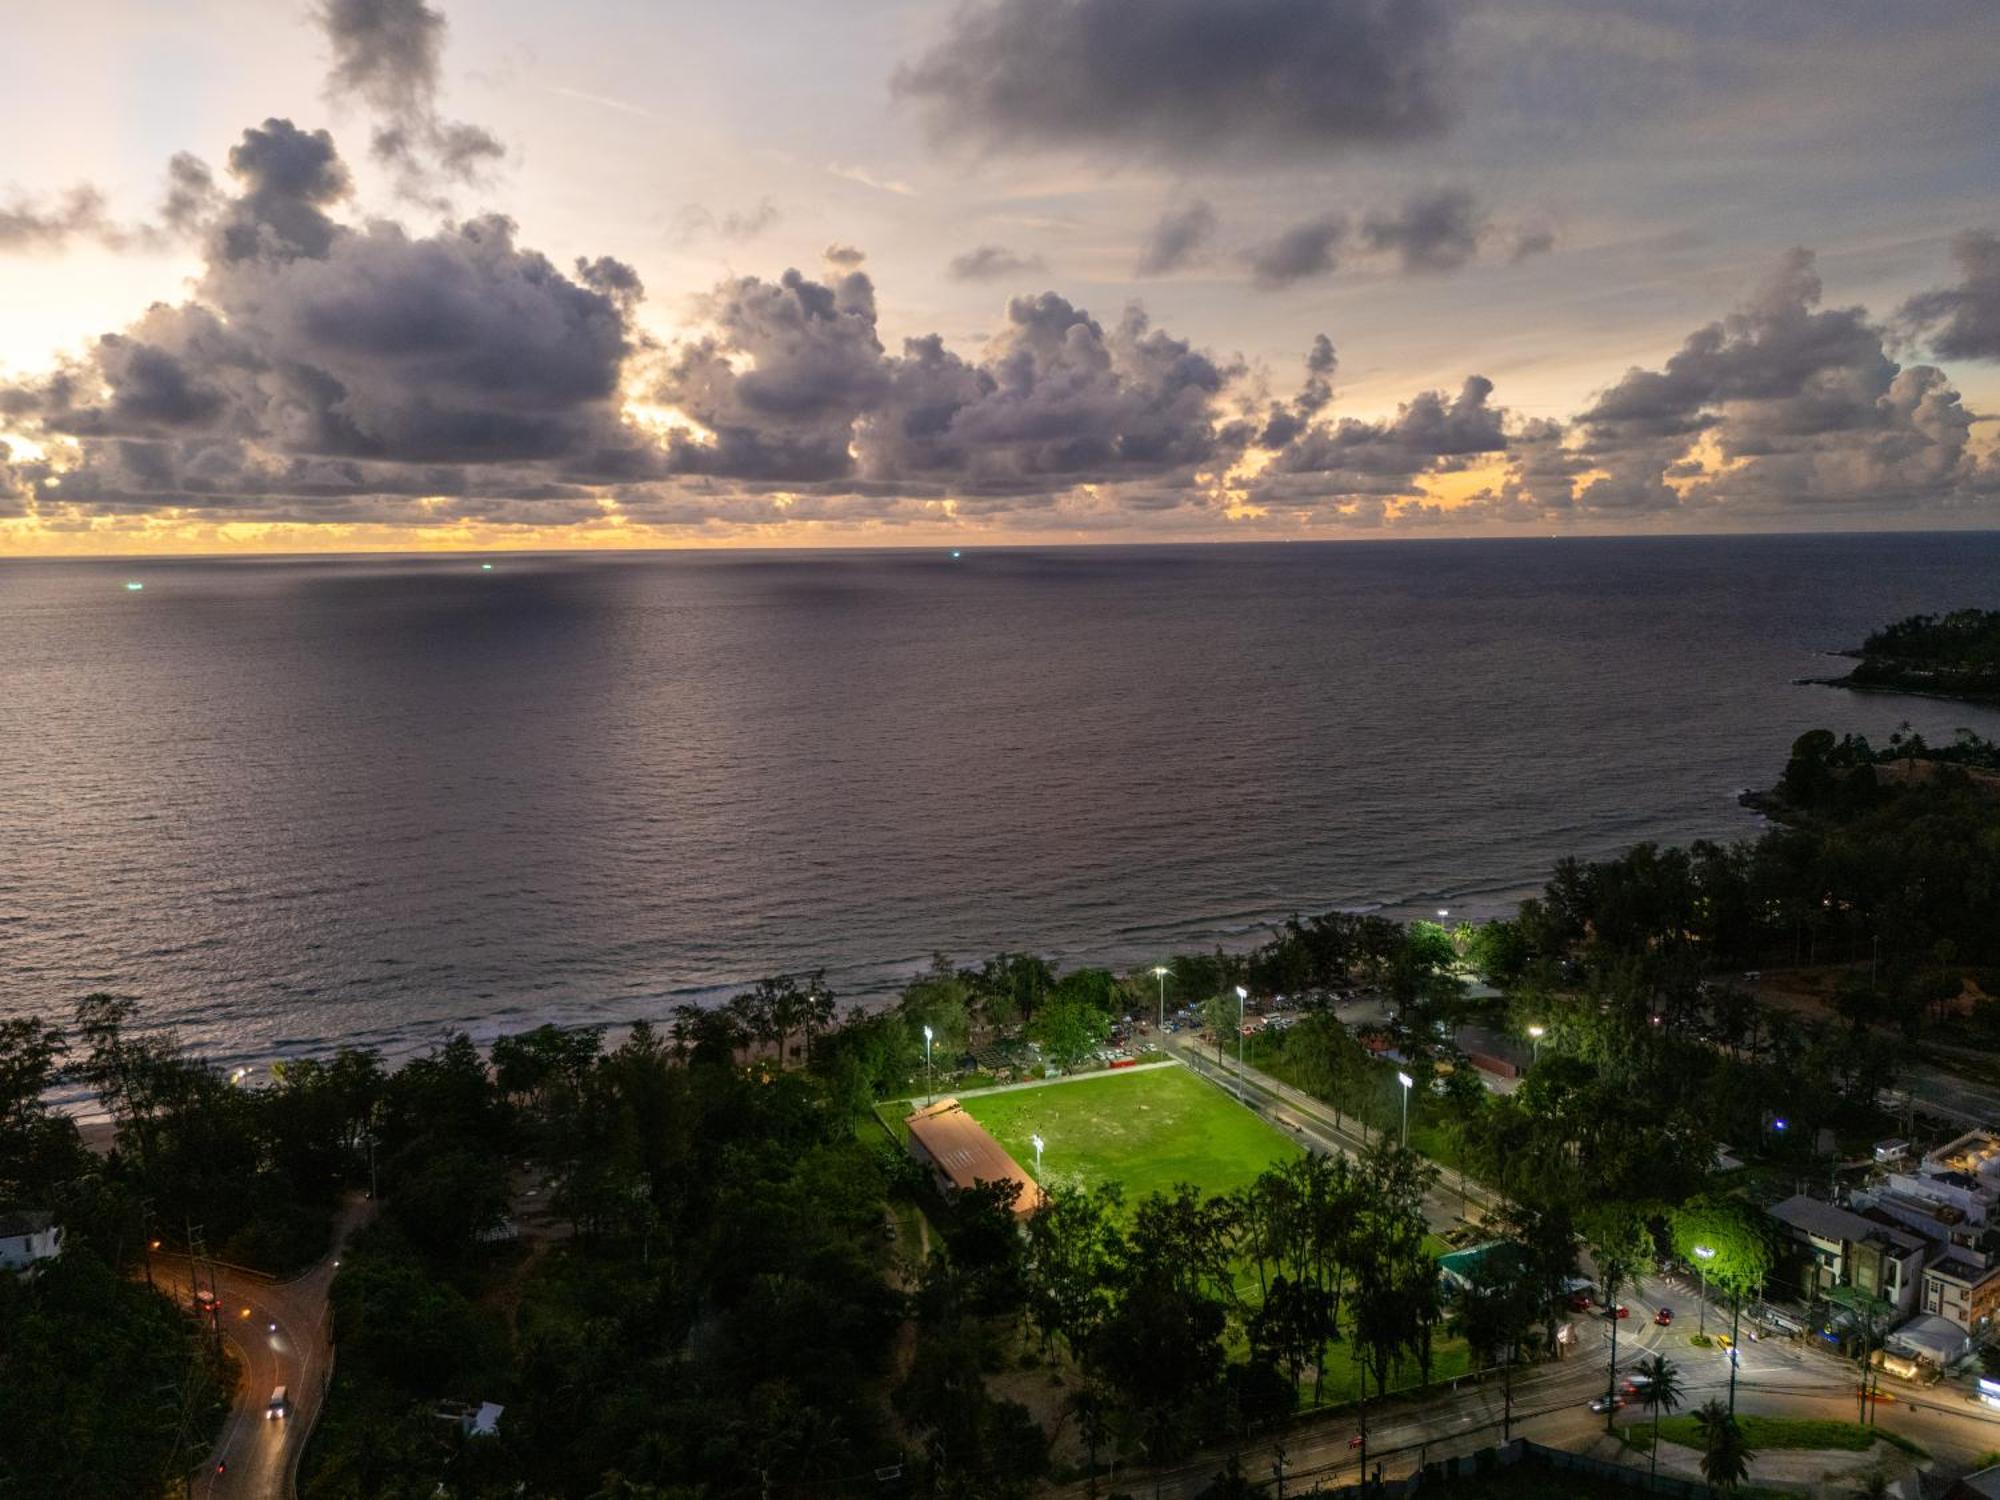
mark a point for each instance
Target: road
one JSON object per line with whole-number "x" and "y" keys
{"x": 281, "y": 1334}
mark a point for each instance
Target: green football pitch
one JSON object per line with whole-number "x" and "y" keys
{"x": 1146, "y": 1131}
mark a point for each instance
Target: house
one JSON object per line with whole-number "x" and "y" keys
{"x": 1930, "y": 1339}
{"x": 961, "y": 1154}
{"x": 1962, "y": 1287}
{"x": 1873, "y": 1255}
{"x": 28, "y": 1236}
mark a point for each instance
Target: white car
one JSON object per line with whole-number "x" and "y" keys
{"x": 281, "y": 1405}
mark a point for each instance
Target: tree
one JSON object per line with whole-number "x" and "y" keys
{"x": 1494, "y": 1312}
{"x": 1073, "y": 1250}
{"x": 1623, "y": 1252}
{"x": 1070, "y": 1027}
{"x": 1661, "y": 1392}
{"x": 1730, "y": 1242}
{"x": 1726, "y": 1453}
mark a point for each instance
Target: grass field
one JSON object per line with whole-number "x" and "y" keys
{"x": 1772, "y": 1434}
{"x": 1146, "y": 1131}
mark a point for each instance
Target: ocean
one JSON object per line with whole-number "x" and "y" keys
{"x": 295, "y": 802}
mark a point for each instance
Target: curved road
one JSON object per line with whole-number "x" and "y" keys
{"x": 281, "y": 1333}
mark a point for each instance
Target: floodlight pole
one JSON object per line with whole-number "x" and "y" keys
{"x": 1242, "y": 1077}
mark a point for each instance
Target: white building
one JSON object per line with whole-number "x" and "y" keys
{"x": 28, "y": 1236}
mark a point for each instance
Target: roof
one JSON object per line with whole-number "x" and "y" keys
{"x": 966, "y": 1154}
{"x": 1984, "y": 1485}
{"x": 1829, "y": 1221}
{"x": 486, "y": 1421}
{"x": 16, "y": 1223}
{"x": 1957, "y": 1268}
{"x": 1938, "y": 1339}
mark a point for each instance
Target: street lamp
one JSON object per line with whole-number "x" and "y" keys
{"x": 1038, "y": 1144}
{"x": 1535, "y": 1035}
{"x": 1242, "y": 999}
{"x": 1704, "y": 1254}
{"x": 1406, "y": 1081}
{"x": 1160, "y": 973}
{"x": 929, "y": 1097}
{"x": 1444, "y": 911}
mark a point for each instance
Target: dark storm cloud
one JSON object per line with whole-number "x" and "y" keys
{"x": 1178, "y": 238}
{"x": 387, "y": 54}
{"x": 1437, "y": 231}
{"x": 1963, "y": 321}
{"x": 1803, "y": 407}
{"x": 319, "y": 360}
{"x": 1431, "y": 433}
{"x": 797, "y": 390}
{"x": 1298, "y": 253}
{"x": 990, "y": 262}
{"x": 1187, "y": 79}
{"x": 289, "y": 177}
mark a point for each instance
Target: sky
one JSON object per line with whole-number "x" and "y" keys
{"x": 366, "y": 274}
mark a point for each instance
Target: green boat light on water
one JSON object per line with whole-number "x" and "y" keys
{"x": 486, "y": 567}
{"x": 134, "y": 586}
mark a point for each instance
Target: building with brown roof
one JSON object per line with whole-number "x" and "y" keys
{"x": 958, "y": 1149}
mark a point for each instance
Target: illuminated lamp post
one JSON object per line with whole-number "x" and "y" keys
{"x": 1160, "y": 973}
{"x": 1704, "y": 1254}
{"x": 1535, "y": 1035}
{"x": 1242, "y": 999}
{"x": 1406, "y": 1081}
{"x": 929, "y": 1097}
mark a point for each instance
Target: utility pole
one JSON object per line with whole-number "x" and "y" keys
{"x": 1278, "y": 1466}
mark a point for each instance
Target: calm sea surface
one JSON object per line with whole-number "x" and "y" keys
{"x": 295, "y": 802}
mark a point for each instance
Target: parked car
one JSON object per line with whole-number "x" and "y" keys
{"x": 1579, "y": 1302}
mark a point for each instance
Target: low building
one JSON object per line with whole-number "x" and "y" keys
{"x": 1961, "y": 1286}
{"x": 1846, "y": 1249}
{"x": 961, "y": 1154}
{"x": 28, "y": 1236}
{"x": 1931, "y": 1339}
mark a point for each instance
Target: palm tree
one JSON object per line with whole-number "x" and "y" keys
{"x": 1661, "y": 1393}
{"x": 1725, "y": 1459}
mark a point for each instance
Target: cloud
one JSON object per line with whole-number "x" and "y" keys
{"x": 1530, "y": 242}
{"x": 27, "y": 226}
{"x": 1963, "y": 321}
{"x": 846, "y": 257}
{"x": 320, "y": 366}
{"x": 1350, "y": 458}
{"x": 796, "y": 389}
{"x": 387, "y": 54}
{"x": 1178, "y": 239}
{"x": 735, "y": 226}
{"x": 1437, "y": 231}
{"x": 990, "y": 262}
{"x": 1783, "y": 405}
{"x": 874, "y": 180}
{"x": 1298, "y": 253}
{"x": 1186, "y": 79}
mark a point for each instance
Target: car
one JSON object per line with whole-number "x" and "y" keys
{"x": 1603, "y": 1404}
{"x": 1354, "y": 1442}
{"x": 1620, "y": 1311}
{"x": 281, "y": 1403}
{"x": 1579, "y": 1302}
{"x": 1636, "y": 1383}
{"x": 1664, "y": 1317}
